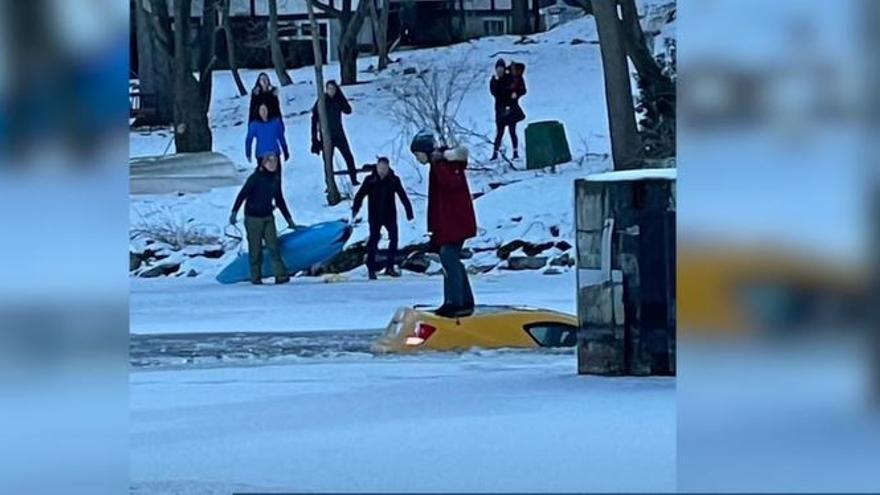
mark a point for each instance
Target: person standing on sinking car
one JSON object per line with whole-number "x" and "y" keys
{"x": 451, "y": 218}
{"x": 382, "y": 188}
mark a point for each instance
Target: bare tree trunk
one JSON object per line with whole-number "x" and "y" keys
{"x": 536, "y": 16}
{"x": 374, "y": 26}
{"x": 625, "y": 144}
{"x": 275, "y": 45}
{"x": 351, "y": 27}
{"x": 208, "y": 30}
{"x": 638, "y": 51}
{"x": 520, "y": 12}
{"x": 383, "y": 34}
{"x": 230, "y": 47}
{"x": 333, "y": 197}
{"x": 191, "y": 131}
{"x": 154, "y": 57}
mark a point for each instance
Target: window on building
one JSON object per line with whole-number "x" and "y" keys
{"x": 494, "y": 27}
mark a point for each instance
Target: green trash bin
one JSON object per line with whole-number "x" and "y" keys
{"x": 546, "y": 144}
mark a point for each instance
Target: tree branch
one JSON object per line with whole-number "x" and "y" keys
{"x": 327, "y": 9}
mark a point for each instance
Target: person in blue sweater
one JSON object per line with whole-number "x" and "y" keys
{"x": 269, "y": 135}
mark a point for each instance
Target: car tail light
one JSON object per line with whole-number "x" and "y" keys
{"x": 422, "y": 333}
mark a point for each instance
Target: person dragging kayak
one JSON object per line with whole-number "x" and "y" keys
{"x": 261, "y": 194}
{"x": 269, "y": 135}
{"x": 451, "y": 218}
{"x": 382, "y": 188}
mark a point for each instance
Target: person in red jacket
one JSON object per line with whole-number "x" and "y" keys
{"x": 451, "y": 219}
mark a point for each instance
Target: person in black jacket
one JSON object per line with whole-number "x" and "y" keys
{"x": 507, "y": 87}
{"x": 264, "y": 94}
{"x": 335, "y": 104}
{"x": 259, "y": 192}
{"x": 380, "y": 188}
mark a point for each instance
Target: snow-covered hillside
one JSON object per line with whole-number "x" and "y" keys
{"x": 564, "y": 77}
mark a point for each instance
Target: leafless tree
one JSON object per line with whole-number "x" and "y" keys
{"x": 333, "y": 196}
{"x": 625, "y": 143}
{"x": 155, "y": 72}
{"x": 275, "y": 46}
{"x": 350, "y": 22}
{"x": 520, "y": 14}
{"x": 230, "y": 46}
{"x": 431, "y": 99}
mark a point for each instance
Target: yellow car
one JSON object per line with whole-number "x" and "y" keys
{"x": 418, "y": 328}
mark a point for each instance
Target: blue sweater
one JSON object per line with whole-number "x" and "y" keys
{"x": 269, "y": 136}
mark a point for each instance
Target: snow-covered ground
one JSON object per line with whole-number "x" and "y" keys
{"x": 199, "y": 305}
{"x": 478, "y": 421}
{"x": 511, "y": 422}
{"x": 564, "y": 77}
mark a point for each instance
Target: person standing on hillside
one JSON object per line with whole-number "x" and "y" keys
{"x": 335, "y": 104}
{"x": 451, "y": 218}
{"x": 264, "y": 93}
{"x": 382, "y": 188}
{"x": 269, "y": 135}
{"x": 261, "y": 194}
{"x": 507, "y": 86}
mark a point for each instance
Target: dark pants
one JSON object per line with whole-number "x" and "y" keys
{"x": 261, "y": 229}
{"x": 499, "y": 134}
{"x": 456, "y": 286}
{"x": 341, "y": 143}
{"x": 373, "y": 243}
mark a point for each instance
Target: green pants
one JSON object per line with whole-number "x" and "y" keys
{"x": 259, "y": 229}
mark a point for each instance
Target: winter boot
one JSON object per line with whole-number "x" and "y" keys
{"x": 281, "y": 280}
{"x": 516, "y": 154}
{"x": 446, "y": 311}
{"x": 257, "y": 282}
{"x": 391, "y": 272}
{"x": 494, "y": 156}
{"x": 372, "y": 275}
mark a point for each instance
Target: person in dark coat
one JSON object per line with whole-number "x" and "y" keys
{"x": 451, "y": 218}
{"x": 382, "y": 188}
{"x": 269, "y": 135}
{"x": 335, "y": 104}
{"x": 261, "y": 194}
{"x": 264, "y": 94}
{"x": 507, "y": 86}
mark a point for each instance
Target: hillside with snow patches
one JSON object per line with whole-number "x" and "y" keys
{"x": 564, "y": 78}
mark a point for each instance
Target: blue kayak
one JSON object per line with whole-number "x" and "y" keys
{"x": 300, "y": 250}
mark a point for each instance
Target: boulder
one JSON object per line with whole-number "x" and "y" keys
{"x": 526, "y": 262}
{"x": 134, "y": 261}
{"x": 417, "y": 262}
{"x": 161, "y": 270}
{"x": 476, "y": 269}
{"x": 563, "y": 246}
{"x": 535, "y": 249}
{"x": 564, "y": 259}
{"x": 504, "y": 251}
{"x": 349, "y": 259}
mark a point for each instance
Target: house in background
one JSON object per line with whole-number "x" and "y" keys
{"x": 412, "y": 22}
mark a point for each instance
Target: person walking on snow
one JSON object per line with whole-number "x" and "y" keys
{"x": 264, "y": 94}
{"x": 335, "y": 104}
{"x": 261, "y": 194}
{"x": 507, "y": 86}
{"x": 451, "y": 218}
{"x": 269, "y": 135}
{"x": 382, "y": 188}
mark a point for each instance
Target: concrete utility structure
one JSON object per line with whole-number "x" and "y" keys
{"x": 625, "y": 238}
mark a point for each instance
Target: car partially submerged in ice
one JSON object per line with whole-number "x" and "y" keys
{"x": 489, "y": 327}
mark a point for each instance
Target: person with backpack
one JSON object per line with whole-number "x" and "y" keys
{"x": 261, "y": 194}
{"x": 335, "y": 104}
{"x": 269, "y": 136}
{"x": 382, "y": 188}
{"x": 451, "y": 218}
{"x": 264, "y": 93}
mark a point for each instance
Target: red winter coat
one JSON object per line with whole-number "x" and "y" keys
{"x": 451, "y": 216}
